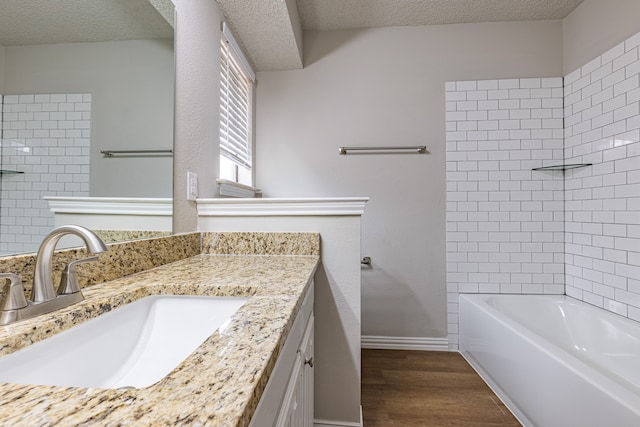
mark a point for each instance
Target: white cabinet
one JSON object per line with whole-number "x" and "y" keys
{"x": 297, "y": 406}
{"x": 287, "y": 400}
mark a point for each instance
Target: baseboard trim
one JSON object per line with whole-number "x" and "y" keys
{"x": 404, "y": 343}
{"x": 333, "y": 423}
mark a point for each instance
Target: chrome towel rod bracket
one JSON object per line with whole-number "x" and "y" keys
{"x": 419, "y": 149}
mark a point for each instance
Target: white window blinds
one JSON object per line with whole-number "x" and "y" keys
{"x": 236, "y": 80}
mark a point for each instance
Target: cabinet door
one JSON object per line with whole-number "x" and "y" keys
{"x": 297, "y": 406}
{"x": 307, "y": 376}
{"x": 292, "y": 404}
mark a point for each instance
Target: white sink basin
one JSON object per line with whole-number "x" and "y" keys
{"x": 132, "y": 346}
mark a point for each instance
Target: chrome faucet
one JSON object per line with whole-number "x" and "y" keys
{"x": 44, "y": 298}
{"x": 43, "y": 288}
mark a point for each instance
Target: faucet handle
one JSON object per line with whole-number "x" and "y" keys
{"x": 69, "y": 279}
{"x": 13, "y": 297}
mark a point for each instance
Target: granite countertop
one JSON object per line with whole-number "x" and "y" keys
{"x": 219, "y": 384}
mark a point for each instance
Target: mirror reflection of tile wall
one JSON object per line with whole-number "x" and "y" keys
{"x": 46, "y": 140}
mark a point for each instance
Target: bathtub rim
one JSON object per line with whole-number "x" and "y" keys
{"x": 628, "y": 396}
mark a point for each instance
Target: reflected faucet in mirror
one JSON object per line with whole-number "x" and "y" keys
{"x": 44, "y": 298}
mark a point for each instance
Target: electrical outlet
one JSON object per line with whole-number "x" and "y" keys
{"x": 192, "y": 186}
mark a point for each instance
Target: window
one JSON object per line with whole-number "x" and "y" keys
{"x": 236, "y": 96}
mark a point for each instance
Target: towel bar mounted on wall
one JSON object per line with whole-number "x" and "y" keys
{"x": 136, "y": 153}
{"x": 418, "y": 149}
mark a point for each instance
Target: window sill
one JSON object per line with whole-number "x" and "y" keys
{"x": 228, "y": 188}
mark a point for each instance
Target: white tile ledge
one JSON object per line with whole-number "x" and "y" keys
{"x": 336, "y": 206}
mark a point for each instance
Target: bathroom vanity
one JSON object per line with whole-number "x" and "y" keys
{"x": 254, "y": 370}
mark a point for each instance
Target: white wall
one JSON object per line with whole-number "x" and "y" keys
{"x": 337, "y": 286}
{"x": 197, "y": 107}
{"x": 131, "y": 83}
{"x": 2, "y": 69}
{"x": 596, "y": 26}
{"x": 386, "y": 87}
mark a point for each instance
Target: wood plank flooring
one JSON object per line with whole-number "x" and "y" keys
{"x": 427, "y": 389}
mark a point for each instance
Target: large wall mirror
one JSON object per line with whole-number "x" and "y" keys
{"x": 78, "y": 78}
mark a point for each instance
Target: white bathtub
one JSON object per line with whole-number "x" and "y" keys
{"x": 554, "y": 360}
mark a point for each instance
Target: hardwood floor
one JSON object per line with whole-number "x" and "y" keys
{"x": 426, "y": 389}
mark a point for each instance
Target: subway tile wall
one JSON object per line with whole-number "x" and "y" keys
{"x": 505, "y": 223}
{"x": 595, "y": 208}
{"x": 602, "y": 230}
{"x": 46, "y": 137}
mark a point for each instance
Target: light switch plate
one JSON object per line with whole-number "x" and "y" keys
{"x": 192, "y": 186}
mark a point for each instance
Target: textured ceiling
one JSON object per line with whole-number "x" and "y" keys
{"x": 166, "y": 9}
{"x": 24, "y": 22}
{"x": 324, "y": 15}
{"x": 269, "y": 31}
{"x": 267, "y": 28}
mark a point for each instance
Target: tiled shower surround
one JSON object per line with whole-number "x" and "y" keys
{"x": 46, "y": 138}
{"x": 514, "y": 230}
{"x": 602, "y": 126}
{"x": 504, "y": 221}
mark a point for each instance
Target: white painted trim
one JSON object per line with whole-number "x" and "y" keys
{"x": 228, "y": 188}
{"x": 111, "y": 205}
{"x": 404, "y": 343}
{"x": 332, "y": 423}
{"x": 340, "y": 206}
